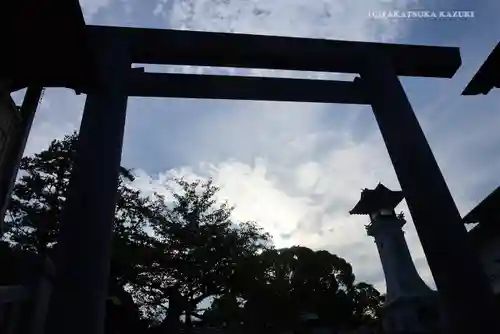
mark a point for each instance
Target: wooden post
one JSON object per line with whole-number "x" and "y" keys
{"x": 463, "y": 286}
{"x": 15, "y": 143}
{"x": 82, "y": 268}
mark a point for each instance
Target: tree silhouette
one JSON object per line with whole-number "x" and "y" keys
{"x": 179, "y": 257}
{"x": 33, "y": 215}
{"x": 199, "y": 248}
{"x": 272, "y": 291}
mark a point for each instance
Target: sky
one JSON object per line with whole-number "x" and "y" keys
{"x": 298, "y": 168}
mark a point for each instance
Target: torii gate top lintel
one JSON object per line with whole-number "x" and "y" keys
{"x": 217, "y": 49}
{"x": 198, "y": 48}
{"x": 68, "y": 62}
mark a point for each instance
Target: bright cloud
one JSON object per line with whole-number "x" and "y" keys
{"x": 320, "y": 19}
{"x": 304, "y": 199}
{"x": 297, "y": 179}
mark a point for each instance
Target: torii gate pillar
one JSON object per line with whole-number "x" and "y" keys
{"x": 87, "y": 221}
{"x": 440, "y": 228}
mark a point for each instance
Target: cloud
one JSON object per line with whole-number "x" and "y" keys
{"x": 303, "y": 198}
{"x": 91, "y": 7}
{"x": 320, "y": 19}
{"x": 296, "y": 169}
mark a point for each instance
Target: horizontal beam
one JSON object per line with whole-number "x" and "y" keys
{"x": 176, "y": 47}
{"x": 243, "y": 88}
{"x": 487, "y": 77}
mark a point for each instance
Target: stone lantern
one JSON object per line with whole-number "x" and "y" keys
{"x": 410, "y": 306}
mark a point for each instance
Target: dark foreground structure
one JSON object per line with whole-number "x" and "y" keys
{"x": 487, "y": 77}
{"x": 97, "y": 61}
{"x": 485, "y": 236}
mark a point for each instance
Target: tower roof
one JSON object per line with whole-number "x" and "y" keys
{"x": 487, "y": 212}
{"x": 487, "y": 76}
{"x": 373, "y": 200}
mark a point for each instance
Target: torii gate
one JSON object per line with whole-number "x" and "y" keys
{"x": 81, "y": 289}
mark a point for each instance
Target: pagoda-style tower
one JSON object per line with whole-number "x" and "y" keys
{"x": 410, "y": 306}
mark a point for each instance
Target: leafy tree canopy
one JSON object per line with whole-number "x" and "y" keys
{"x": 174, "y": 253}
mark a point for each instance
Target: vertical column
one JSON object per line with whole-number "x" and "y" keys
{"x": 16, "y": 145}
{"x": 462, "y": 284}
{"x": 86, "y": 226}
